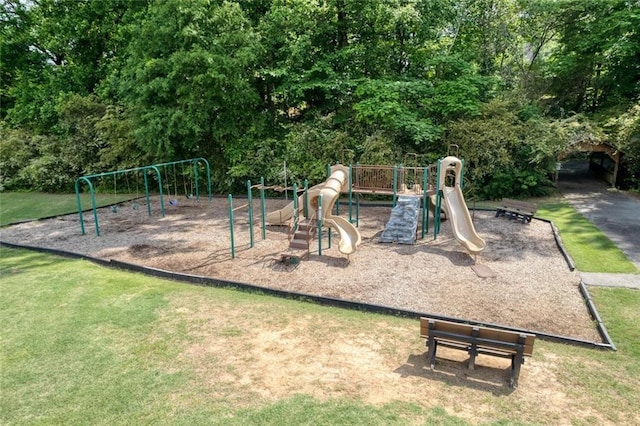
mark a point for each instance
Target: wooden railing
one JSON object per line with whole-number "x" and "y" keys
{"x": 381, "y": 179}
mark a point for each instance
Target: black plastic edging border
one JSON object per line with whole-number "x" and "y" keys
{"x": 594, "y": 314}
{"x": 556, "y": 236}
{"x": 304, "y": 297}
{"x": 584, "y": 292}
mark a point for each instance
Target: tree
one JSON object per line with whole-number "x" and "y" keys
{"x": 624, "y": 133}
{"x": 188, "y": 79}
{"x": 507, "y": 153}
{"x": 57, "y": 47}
{"x": 597, "y": 63}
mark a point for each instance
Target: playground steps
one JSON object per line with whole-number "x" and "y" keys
{"x": 302, "y": 237}
{"x": 403, "y": 223}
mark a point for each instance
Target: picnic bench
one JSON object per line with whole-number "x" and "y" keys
{"x": 477, "y": 340}
{"x": 515, "y": 209}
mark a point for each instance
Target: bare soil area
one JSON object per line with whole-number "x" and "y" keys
{"x": 532, "y": 288}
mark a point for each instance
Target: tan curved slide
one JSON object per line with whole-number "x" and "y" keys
{"x": 330, "y": 191}
{"x": 457, "y": 210}
{"x": 280, "y": 217}
{"x": 349, "y": 235}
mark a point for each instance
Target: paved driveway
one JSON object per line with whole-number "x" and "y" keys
{"x": 615, "y": 213}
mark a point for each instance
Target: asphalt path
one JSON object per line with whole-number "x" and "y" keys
{"x": 615, "y": 213}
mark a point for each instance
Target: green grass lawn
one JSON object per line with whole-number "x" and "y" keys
{"x": 590, "y": 249}
{"x": 83, "y": 344}
{"x": 19, "y": 206}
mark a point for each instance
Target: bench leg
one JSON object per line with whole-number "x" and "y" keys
{"x": 473, "y": 353}
{"x": 473, "y": 350}
{"x": 516, "y": 361}
{"x": 431, "y": 356}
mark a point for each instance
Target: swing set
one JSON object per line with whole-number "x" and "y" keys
{"x": 147, "y": 172}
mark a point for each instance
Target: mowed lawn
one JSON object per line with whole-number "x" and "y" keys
{"x": 83, "y": 344}
{"x": 590, "y": 249}
{"x": 20, "y": 206}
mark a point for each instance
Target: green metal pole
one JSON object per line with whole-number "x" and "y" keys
{"x": 357, "y": 210}
{"x": 79, "y": 203}
{"x": 461, "y": 174}
{"x": 427, "y": 226}
{"x": 159, "y": 175}
{"x": 436, "y": 215}
{"x": 194, "y": 165}
{"x": 146, "y": 192}
{"x": 306, "y": 199}
{"x": 93, "y": 204}
{"x": 320, "y": 225}
{"x": 295, "y": 200}
{"x": 329, "y": 229}
{"x": 295, "y": 207}
{"x": 350, "y": 193}
{"x": 263, "y": 210}
{"x": 250, "y": 204}
{"x": 233, "y": 248}
{"x": 425, "y": 202}
{"x": 208, "y": 179}
{"x": 395, "y": 184}
{"x": 95, "y": 210}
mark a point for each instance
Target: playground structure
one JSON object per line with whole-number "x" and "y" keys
{"x": 317, "y": 205}
{"x": 438, "y": 186}
{"x": 154, "y": 172}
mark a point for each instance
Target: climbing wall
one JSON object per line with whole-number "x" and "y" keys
{"x": 403, "y": 222}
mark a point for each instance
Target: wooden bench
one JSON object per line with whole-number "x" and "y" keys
{"x": 515, "y": 209}
{"x": 477, "y": 340}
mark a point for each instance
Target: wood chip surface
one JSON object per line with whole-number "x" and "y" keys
{"x": 532, "y": 288}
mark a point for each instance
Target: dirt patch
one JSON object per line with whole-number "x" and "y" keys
{"x": 532, "y": 288}
{"x": 247, "y": 354}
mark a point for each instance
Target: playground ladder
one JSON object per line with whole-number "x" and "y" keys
{"x": 303, "y": 235}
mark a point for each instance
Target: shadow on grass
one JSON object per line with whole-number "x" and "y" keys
{"x": 455, "y": 373}
{"x": 15, "y": 261}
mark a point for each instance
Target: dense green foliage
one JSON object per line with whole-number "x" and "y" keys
{"x": 91, "y": 86}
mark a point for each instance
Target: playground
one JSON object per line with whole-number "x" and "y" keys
{"x": 532, "y": 288}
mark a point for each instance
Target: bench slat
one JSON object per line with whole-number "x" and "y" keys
{"x": 505, "y": 347}
{"x": 483, "y": 332}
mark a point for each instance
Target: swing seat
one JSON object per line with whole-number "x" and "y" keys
{"x": 114, "y": 209}
{"x": 135, "y": 206}
{"x": 173, "y": 202}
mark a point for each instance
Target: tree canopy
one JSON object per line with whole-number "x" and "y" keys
{"x": 93, "y": 85}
